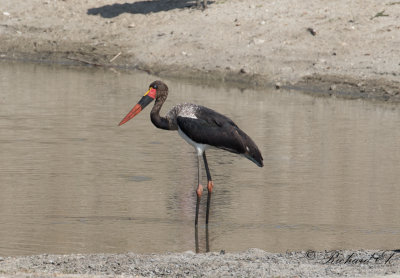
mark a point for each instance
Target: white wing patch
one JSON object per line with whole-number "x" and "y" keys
{"x": 187, "y": 110}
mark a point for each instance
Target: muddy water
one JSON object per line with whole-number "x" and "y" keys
{"x": 72, "y": 181}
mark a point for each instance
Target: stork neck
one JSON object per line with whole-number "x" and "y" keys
{"x": 156, "y": 119}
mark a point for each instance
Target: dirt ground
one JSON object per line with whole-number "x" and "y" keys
{"x": 344, "y": 48}
{"x": 340, "y": 48}
{"x": 252, "y": 263}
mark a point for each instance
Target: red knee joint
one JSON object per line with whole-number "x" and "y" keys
{"x": 210, "y": 186}
{"x": 199, "y": 190}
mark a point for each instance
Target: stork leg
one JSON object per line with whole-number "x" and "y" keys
{"x": 207, "y": 240}
{"x": 204, "y": 4}
{"x": 199, "y": 190}
{"x": 210, "y": 186}
{"x": 196, "y": 239}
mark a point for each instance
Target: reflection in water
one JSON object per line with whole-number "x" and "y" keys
{"x": 71, "y": 181}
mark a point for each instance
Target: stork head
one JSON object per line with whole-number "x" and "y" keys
{"x": 158, "y": 91}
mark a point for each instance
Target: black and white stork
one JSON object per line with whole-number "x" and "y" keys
{"x": 202, "y": 128}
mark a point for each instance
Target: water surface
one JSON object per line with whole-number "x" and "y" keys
{"x": 72, "y": 181}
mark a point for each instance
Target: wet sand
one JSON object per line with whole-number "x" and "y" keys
{"x": 343, "y": 48}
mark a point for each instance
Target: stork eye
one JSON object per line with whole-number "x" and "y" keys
{"x": 155, "y": 86}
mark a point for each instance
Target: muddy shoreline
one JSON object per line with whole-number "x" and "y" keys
{"x": 347, "y": 87}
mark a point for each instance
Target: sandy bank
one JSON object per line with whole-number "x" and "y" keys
{"x": 345, "y": 48}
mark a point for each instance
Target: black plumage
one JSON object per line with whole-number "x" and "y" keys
{"x": 214, "y": 129}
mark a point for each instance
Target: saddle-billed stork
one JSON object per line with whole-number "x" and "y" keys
{"x": 202, "y": 128}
